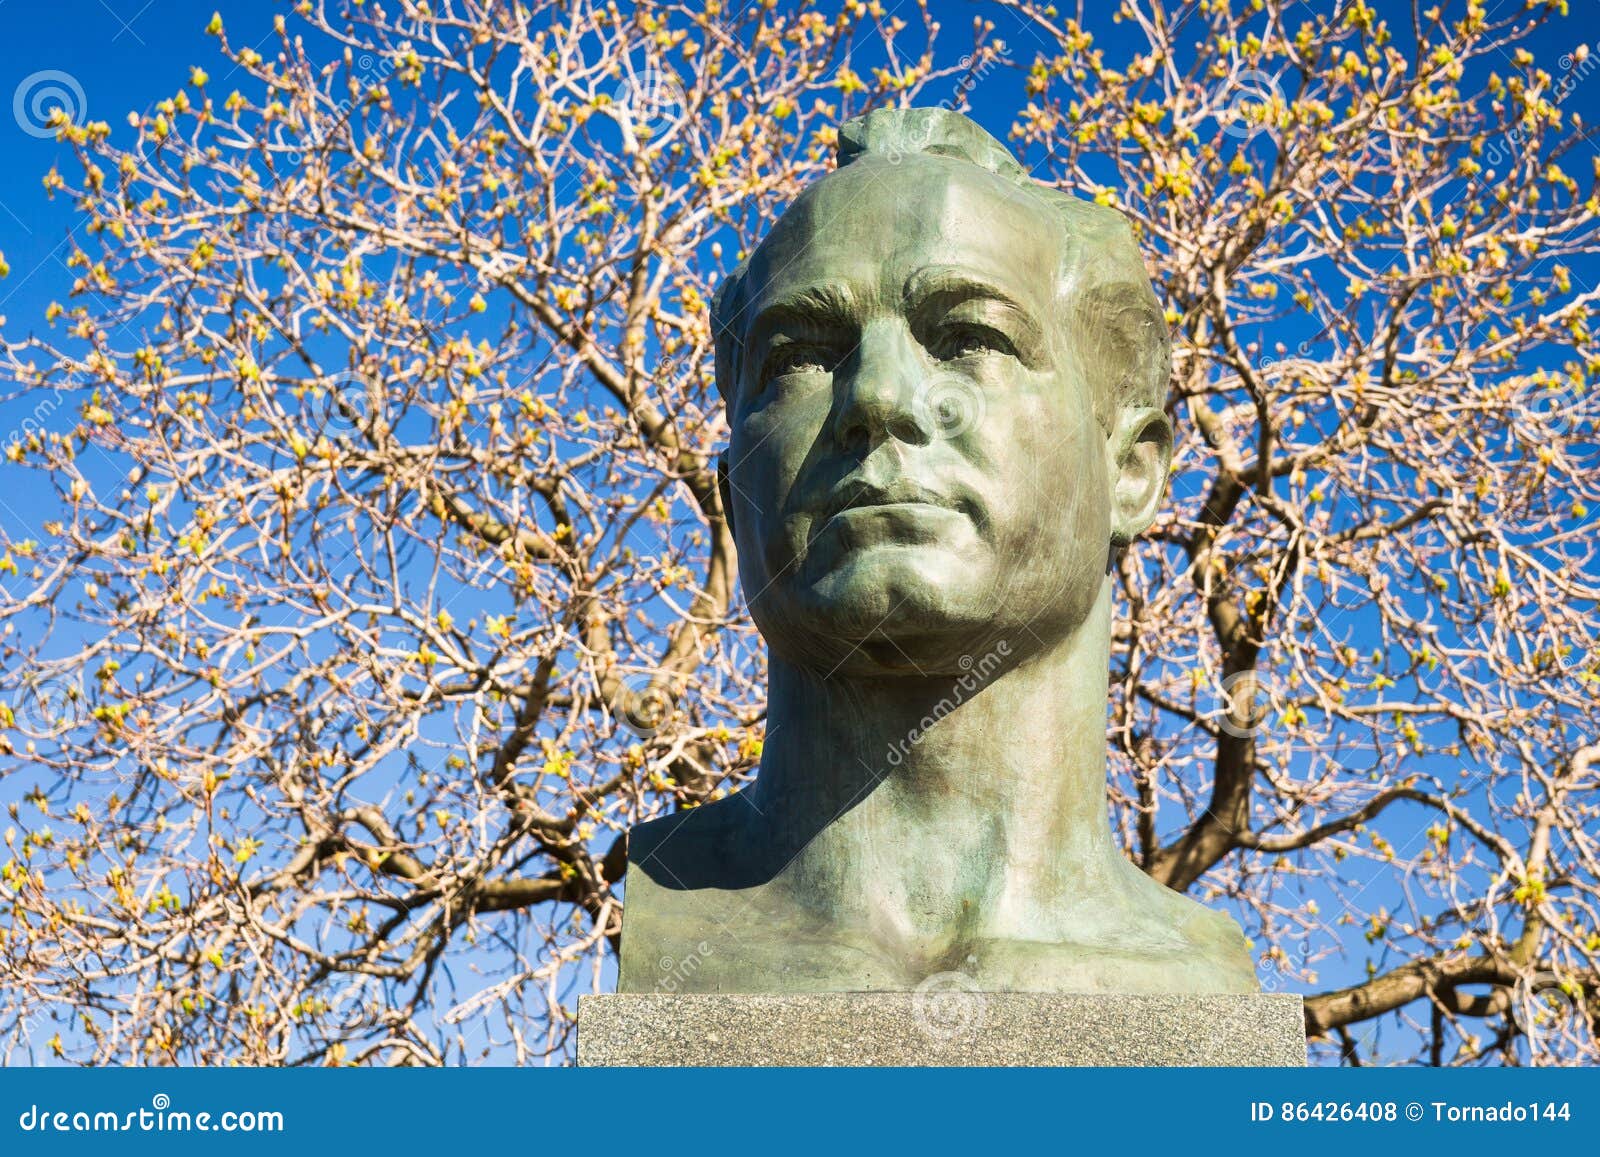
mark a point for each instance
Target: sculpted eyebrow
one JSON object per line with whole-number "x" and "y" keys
{"x": 950, "y": 287}
{"x": 816, "y": 306}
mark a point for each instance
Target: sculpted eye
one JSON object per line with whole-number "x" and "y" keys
{"x": 966, "y": 340}
{"x": 795, "y": 358}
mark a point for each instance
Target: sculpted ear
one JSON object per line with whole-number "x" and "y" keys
{"x": 1141, "y": 458}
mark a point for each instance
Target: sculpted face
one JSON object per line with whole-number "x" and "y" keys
{"x": 916, "y": 468}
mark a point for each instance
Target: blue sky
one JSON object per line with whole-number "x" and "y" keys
{"x": 122, "y": 55}
{"x": 119, "y": 56}
{"x": 125, "y": 55}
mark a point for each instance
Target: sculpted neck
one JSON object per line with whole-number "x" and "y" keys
{"x": 1008, "y": 754}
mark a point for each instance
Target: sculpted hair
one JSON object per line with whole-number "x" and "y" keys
{"x": 1116, "y": 334}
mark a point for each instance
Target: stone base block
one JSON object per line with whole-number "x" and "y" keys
{"x": 952, "y": 1027}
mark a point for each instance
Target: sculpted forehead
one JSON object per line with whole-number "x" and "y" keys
{"x": 870, "y": 225}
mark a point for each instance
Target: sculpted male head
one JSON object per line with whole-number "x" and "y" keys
{"x": 944, "y": 383}
{"x": 945, "y": 386}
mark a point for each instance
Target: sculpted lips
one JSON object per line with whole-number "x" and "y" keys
{"x": 859, "y": 494}
{"x": 858, "y": 513}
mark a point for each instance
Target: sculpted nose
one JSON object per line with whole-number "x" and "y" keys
{"x": 878, "y": 391}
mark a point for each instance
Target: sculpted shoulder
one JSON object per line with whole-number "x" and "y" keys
{"x": 705, "y": 911}
{"x": 702, "y": 847}
{"x": 675, "y": 896}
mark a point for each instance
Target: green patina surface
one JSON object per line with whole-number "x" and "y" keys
{"x": 945, "y": 385}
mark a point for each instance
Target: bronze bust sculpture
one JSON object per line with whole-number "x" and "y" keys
{"x": 945, "y": 387}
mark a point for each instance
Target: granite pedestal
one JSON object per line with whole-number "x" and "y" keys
{"x": 940, "y": 1028}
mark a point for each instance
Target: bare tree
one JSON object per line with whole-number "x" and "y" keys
{"x": 388, "y": 582}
